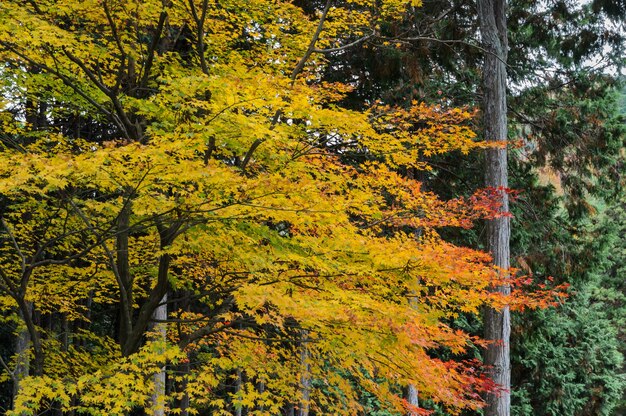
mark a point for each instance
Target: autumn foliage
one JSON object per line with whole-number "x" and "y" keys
{"x": 172, "y": 149}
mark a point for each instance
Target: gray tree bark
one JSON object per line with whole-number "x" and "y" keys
{"x": 305, "y": 376}
{"x": 160, "y": 314}
{"x": 412, "y": 398}
{"x": 493, "y": 26}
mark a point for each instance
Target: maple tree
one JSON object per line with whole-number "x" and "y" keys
{"x": 188, "y": 154}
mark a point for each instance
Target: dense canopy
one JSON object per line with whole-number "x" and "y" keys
{"x": 199, "y": 218}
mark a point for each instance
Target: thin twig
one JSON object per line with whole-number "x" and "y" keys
{"x": 346, "y": 46}
{"x": 8, "y": 370}
{"x": 14, "y": 242}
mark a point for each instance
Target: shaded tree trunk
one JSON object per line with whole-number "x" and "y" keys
{"x": 289, "y": 410}
{"x": 492, "y": 16}
{"x": 238, "y": 387}
{"x": 22, "y": 368}
{"x": 184, "y": 368}
{"x": 123, "y": 270}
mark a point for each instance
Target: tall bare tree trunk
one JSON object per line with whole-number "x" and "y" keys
{"x": 412, "y": 398}
{"x": 411, "y": 394}
{"x": 158, "y": 398}
{"x": 492, "y": 16}
{"x": 305, "y": 376}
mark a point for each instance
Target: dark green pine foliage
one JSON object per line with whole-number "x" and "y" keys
{"x": 566, "y": 360}
{"x": 576, "y": 135}
{"x": 611, "y": 292}
{"x": 569, "y": 362}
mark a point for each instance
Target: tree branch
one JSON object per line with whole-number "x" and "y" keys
{"x": 66, "y": 80}
{"x": 346, "y": 46}
{"x": 311, "y": 47}
{"x": 124, "y": 294}
{"x": 200, "y": 31}
{"x": 209, "y": 150}
{"x": 152, "y": 51}
{"x": 167, "y": 236}
{"x": 92, "y": 77}
{"x": 8, "y": 370}
{"x": 248, "y": 155}
{"x": 116, "y": 37}
{"x": 14, "y": 242}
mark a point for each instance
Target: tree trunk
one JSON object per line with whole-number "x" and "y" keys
{"x": 31, "y": 319}
{"x": 238, "y": 387}
{"x": 261, "y": 390}
{"x": 289, "y": 410}
{"x": 123, "y": 269}
{"x": 158, "y": 398}
{"x": 185, "y": 369}
{"x": 412, "y": 398}
{"x": 22, "y": 367}
{"x": 305, "y": 377}
{"x": 492, "y": 15}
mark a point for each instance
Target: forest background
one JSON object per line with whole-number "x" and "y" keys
{"x": 278, "y": 207}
